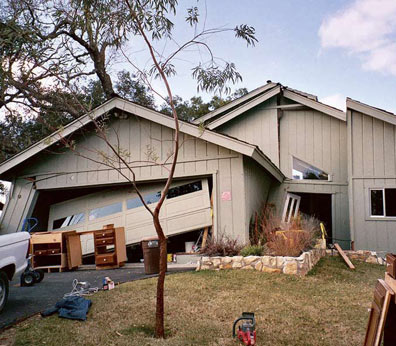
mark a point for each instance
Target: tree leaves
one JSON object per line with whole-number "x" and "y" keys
{"x": 215, "y": 79}
{"x": 192, "y": 16}
{"x": 246, "y": 33}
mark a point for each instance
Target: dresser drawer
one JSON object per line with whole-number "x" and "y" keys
{"x": 44, "y": 252}
{"x": 391, "y": 265}
{"x": 104, "y": 234}
{"x": 104, "y": 241}
{"x": 108, "y": 258}
{"x": 40, "y": 252}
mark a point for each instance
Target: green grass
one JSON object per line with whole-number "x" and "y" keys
{"x": 327, "y": 307}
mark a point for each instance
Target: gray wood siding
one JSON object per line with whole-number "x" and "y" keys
{"x": 373, "y": 165}
{"x": 315, "y": 138}
{"x": 258, "y": 126}
{"x": 18, "y": 207}
{"x": 138, "y": 136}
{"x": 257, "y": 186}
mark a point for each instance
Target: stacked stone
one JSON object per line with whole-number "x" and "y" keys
{"x": 361, "y": 255}
{"x": 269, "y": 264}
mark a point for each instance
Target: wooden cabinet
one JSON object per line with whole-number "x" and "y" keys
{"x": 55, "y": 250}
{"x": 110, "y": 249}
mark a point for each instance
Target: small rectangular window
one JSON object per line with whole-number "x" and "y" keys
{"x": 377, "y": 202}
{"x": 149, "y": 199}
{"x": 68, "y": 221}
{"x": 304, "y": 171}
{"x": 184, "y": 189}
{"x": 390, "y": 202}
{"x": 105, "y": 211}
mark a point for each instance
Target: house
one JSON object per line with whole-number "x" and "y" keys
{"x": 274, "y": 145}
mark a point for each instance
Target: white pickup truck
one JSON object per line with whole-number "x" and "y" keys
{"x": 13, "y": 260}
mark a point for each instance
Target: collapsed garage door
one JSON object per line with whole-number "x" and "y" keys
{"x": 186, "y": 208}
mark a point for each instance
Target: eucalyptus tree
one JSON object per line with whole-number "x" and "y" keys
{"x": 51, "y": 46}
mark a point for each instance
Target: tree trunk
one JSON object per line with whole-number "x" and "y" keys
{"x": 159, "y": 314}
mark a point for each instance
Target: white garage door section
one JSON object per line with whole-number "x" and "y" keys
{"x": 186, "y": 208}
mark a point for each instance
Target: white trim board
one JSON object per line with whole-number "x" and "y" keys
{"x": 257, "y": 98}
{"x": 371, "y": 111}
{"x": 235, "y": 103}
{"x": 245, "y": 107}
{"x": 321, "y": 107}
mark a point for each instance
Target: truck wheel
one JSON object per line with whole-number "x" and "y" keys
{"x": 3, "y": 290}
{"x": 27, "y": 279}
{"x": 39, "y": 275}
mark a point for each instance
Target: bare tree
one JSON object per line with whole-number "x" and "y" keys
{"x": 83, "y": 31}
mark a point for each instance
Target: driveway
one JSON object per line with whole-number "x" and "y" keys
{"x": 26, "y": 301}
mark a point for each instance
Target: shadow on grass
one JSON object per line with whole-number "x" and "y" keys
{"x": 143, "y": 330}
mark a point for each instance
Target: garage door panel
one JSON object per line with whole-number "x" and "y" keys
{"x": 137, "y": 233}
{"x": 191, "y": 203}
{"x": 87, "y": 243}
{"x": 117, "y": 220}
{"x": 138, "y": 217}
{"x": 195, "y": 220}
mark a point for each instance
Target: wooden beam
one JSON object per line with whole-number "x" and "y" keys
{"x": 205, "y": 237}
{"x": 344, "y": 256}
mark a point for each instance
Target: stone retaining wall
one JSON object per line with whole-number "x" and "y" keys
{"x": 269, "y": 264}
{"x": 360, "y": 255}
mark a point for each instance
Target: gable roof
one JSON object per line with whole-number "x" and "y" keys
{"x": 231, "y": 110}
{"x": 243, "y": 108}
{"x": 235, "y": 103}
{"x": 228, "y": 142}
{"x": 371, "y": 111}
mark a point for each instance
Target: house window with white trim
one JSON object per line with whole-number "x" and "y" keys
{"x": 383, "y": 202}
{"x": 304, "y": 171}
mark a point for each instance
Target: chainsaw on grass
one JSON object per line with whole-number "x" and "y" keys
{"x": 247, "y": 330}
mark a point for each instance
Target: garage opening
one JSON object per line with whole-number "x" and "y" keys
{"x": 187, "y": 209}
{"x": 318, "y": 205}
{"x": 176, "y": 245}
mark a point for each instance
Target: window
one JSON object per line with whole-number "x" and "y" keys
{"x": 184, "y": 189}
{"x": 105, "y": 211}
{"x": 383, "y": 202}
{"x": 305, "y": 171}
{"x": 149, "y": 199}
{"x": 68, "y": 220}
{"x": 291, "y": 208}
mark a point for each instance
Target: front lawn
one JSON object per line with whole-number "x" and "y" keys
{"x": 327, "y": 307}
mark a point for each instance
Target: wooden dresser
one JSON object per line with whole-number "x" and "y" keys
{"x": 110, "y": 249}
{"x": 55, "y": 250}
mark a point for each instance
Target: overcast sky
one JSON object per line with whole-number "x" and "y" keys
{"x": 332, "y": 49}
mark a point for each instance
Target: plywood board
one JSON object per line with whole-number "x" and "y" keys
{"x": 74, "y": 253}
{"x": 344, "y": 256}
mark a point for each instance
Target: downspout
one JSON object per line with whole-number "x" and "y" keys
{"x": 350, "y": 176}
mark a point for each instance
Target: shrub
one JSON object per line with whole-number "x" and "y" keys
{"x": 263, "y": 223}
{"x": 290, "y": 243}
{"x": 283, "y": 239}
{"x": 252, "y": 250}
{"x": 223, "y": 245}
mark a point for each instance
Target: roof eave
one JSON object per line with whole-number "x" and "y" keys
{"x": 321, "y": 107}
{"x": 235, "y": 103}
{"x": 371, "y": 111}
{"x": 245, "y": 107}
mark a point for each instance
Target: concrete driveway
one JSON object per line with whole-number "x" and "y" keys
{"x": 26, "y": 301}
